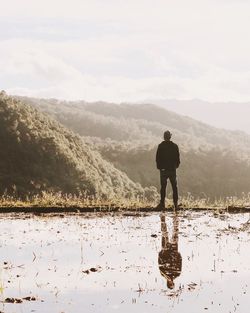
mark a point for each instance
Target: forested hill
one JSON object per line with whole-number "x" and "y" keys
{"x": 143, "y": 123}
{"x": 38, "y": 153}
{"x": 214, "y": 162}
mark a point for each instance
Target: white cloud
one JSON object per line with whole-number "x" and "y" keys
{"x": 126, "y": 50}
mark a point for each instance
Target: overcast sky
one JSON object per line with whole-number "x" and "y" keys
{"x": 126, "y": 50}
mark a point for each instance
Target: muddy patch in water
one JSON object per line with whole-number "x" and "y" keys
{"x": 190, "y": 262}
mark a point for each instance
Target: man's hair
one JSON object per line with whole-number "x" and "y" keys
{"x": 167, "y": 135}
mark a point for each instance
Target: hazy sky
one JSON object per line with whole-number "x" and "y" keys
{"x": 126, "y": 50}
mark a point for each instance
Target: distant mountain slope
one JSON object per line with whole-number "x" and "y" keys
{"x": 37, "y": 153}
{"x": 214, "y": 162}
{"x": 145, "y": 123}
{"x": 230, "y": 115}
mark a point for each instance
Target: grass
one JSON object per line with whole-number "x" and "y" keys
{"x": 59, "y": 200}
{"x": 48, "y": 199}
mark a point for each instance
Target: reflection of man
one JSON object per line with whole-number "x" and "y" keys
{"x": 169, "y": 259}
{"x": 167, "y": 161}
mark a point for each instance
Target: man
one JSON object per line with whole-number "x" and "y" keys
{"x": 167, "y": 161}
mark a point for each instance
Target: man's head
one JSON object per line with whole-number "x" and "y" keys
{"x": 167, "y": 135}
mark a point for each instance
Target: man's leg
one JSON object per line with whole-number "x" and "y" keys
{"x": 173, "y": 181}
{"x": 163, "y": 186}
{"x": 164, "y": 233}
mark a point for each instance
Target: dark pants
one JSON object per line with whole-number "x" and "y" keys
{"x": 171, "y": 175}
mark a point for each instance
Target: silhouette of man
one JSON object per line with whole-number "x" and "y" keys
{"x": 169, "y": 259}
{"x": 167, "y": 161}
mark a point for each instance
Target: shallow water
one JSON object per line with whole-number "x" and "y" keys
{"x": 192, "y": 262}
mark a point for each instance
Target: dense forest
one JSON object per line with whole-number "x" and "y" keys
{"x": 38, "y": 153}
{"x": 214, "y": 162}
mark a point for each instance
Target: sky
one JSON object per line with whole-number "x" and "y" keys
{"x": 126, "y": 51}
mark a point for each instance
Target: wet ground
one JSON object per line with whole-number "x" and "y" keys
{"x": 190, "y": 262}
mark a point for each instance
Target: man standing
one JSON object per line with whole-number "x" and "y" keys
{"x": 167, "y": 161}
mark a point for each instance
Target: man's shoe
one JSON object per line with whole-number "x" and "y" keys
{"x": 160, "y": 206}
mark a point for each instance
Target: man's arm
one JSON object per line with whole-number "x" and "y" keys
{"x": 158, "y": 158}
{"x": 178, "y": 161}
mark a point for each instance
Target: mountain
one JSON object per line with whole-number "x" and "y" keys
{"x": 37, "y": 153}
{"x": 229, "y": 115}
{"x": 214, "y": 161}
{"x": 143, "y": 123}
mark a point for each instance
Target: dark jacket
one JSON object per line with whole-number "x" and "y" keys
{"x": 167, "y": 156}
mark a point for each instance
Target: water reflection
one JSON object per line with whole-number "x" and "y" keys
{"x": 169, "y": 259}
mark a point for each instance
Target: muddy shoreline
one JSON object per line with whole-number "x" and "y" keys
{"x": 104, "y": 209}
